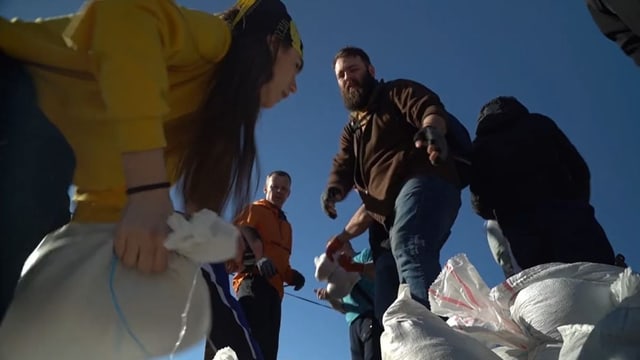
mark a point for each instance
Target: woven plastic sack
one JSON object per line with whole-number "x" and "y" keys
{"x": 412, "y": 332}
{"x": 460, "y": 294}
{"x": 76, "y": 301}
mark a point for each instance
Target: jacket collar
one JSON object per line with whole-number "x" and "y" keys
{"x": 276, "y": 210}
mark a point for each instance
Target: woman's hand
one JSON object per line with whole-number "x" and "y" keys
{"x": 143, "y": 229}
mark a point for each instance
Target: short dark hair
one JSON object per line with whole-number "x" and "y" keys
{"x": 279, "y": 173}
{"x": 352, "y": 51}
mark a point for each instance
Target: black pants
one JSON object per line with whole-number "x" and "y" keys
{"x": 364, "y": 335}
{"x": 556, "y": 231}
{"x": 262, "y": 307}
{"x": 36, "y": 170}
{"x": 230, "y": 327}
{"x": 386, "y": 281}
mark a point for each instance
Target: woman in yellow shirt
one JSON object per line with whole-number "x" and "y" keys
{"x": 147, "y": 92}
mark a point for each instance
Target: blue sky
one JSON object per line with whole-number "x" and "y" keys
{"x": 547, "y": 53}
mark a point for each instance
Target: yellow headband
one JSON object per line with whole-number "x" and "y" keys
{"x": 296, "y": 43}
{"x": 243, "y": 6}
{"x": 285, "y": 29}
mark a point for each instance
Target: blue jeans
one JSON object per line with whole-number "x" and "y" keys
{"x": 386, "y": 284}
{"x": 386, "y": 280}
{"x": 425, "y": 210}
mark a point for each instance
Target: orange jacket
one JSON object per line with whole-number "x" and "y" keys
{"x": 275, "y": 233}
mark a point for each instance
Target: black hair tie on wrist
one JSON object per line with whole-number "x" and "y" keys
{"x": 143, "y": 188}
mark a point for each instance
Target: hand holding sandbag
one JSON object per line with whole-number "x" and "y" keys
{"x": 333, "y": 246}
{"x": 204, "y": 238}
{"x": 339, "y": 281}
{"x": 321, "y": 293}
{"x": 142, "y": 231}
{"x": 346, "y": 262}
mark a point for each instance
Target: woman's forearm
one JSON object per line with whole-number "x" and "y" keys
{"x": 144, "y": 167}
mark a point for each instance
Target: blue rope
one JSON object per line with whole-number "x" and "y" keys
{"x": 116, "y": 305}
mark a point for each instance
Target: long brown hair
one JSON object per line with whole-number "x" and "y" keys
{"x": 218, "y": 153}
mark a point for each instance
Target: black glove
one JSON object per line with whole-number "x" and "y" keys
{"x": 298, "y": 280}
{"x": 266, "y": 268}
{"x": 433, "y": 136}
{"x": 328, "y": 200}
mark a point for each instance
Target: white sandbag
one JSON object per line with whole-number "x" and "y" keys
{"x": 412, "y": 332}
{"x": 544, "y": 305}
{"x": 203, "y": 238}
{"x": 548, "y": 351}
{"x": 540, "y": 298}
{"x": 626, "y": 285}
{"x": 226, "y": 353}
{"x": 573, "y": 338}
{"x": 510, "y": 353}
{"x": 617, "y": 336}
{"x": 76, "y": 301}
{"x": 505, "y": 293}
{"x": 460, "y": 294}
{"x": 503, "y": 343}
{"x": 339, "y": 281}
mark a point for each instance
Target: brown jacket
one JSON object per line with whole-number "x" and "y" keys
{"x": 276, "y": 235}
{"x": 377, "y": 153}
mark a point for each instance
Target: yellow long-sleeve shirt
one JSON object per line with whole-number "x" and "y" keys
{"x": 110, "y": 77}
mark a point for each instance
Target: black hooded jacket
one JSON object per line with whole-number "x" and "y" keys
{"x": 522, "y": 159}
{"x": 619, "y": 20}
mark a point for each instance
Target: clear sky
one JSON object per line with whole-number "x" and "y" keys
{"x": 547, "y": 53}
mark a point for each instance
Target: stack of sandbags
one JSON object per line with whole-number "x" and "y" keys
{"x": 545, "y": 312}
{"x": 412, "y": 332}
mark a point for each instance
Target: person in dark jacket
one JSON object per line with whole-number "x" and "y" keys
{"x": 36, "y": 169}
{"x": 528, "y": 176}
{"x": 394, "y": 151}
{"x": 619, "y": 21}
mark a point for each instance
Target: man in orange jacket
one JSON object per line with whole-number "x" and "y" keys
{"x": 260, "y": 287}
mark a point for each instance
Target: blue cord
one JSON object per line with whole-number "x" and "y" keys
{"x": 116, "y": 305}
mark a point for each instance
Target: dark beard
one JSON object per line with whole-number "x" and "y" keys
{"x": 357, "y": 98}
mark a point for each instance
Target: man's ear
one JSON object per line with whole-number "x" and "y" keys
{"x": 372, "y": 70}
{"x": 264, "y": 189}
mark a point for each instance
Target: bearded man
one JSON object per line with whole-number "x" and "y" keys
{"x": 397, "y": 150}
